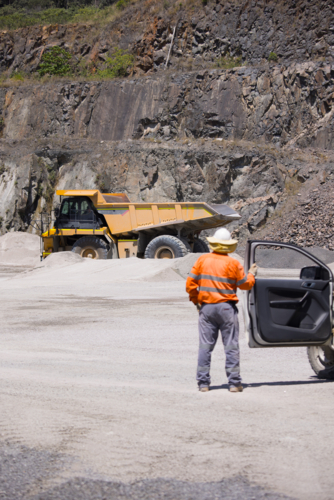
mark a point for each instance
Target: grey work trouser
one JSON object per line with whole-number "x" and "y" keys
{"x": 212, "y": 318}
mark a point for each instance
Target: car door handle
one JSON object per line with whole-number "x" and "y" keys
{"x": 308, "y": 284}
{"x": 289, "y": 304}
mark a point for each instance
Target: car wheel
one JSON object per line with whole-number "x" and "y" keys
{"x": 321, "y": 359}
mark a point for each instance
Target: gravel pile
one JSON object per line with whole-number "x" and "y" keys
{"x": 311, "y": 223}
{"x": 19, "y": 249}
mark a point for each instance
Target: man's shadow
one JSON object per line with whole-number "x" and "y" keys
{"x": 273, "y": 384}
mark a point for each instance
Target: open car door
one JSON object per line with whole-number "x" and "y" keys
{"x": 291, "y": 302}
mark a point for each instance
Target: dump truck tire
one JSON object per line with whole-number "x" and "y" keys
{"x": 321, "y": 359}
{"x": 165, "y": 247}
{"x": 91, "y": 247}
{"x": 201, "y": 245}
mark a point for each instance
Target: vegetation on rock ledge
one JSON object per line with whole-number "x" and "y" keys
{"x": 55, "y": 62}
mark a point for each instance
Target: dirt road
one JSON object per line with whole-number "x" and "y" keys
{"x": 99, "y": 399}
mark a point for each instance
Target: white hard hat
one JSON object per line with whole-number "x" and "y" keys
{"x": 222, "y": 234}
{"x": 221, "y": 242}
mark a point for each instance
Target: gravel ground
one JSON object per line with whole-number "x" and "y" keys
{"x": 25, "y": 471}
{"x": 99, "y": 400}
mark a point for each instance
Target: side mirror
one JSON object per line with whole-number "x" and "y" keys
{"x": 314, "y": 273}
{"x": 57, "y": 212}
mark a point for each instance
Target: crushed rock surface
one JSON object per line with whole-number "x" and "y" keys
{"x": 99, "y": 399}
{"x": 26, "y": 471}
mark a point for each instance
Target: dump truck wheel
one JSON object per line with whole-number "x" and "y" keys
{"x": 321, "y": 359}
{"x": 165, "y": 247}
{"x": 91, "y": 247}
{"x": 201, "y": 245}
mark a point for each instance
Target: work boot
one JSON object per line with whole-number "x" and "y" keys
{"x": 236, "y": 388}
{"x": 204, "y": 388}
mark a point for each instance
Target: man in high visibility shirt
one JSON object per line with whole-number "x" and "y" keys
{"x": 212, "y": 286}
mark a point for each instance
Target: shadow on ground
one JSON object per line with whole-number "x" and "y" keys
{"x": 272, "y": 384}
{"x": 31, "y": 474}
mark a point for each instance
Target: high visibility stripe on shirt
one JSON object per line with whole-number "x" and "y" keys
{"x": 194, "y": 276}
{"x": 223, "y": 291}
{"x": 241, "y": 282}
{"x": 212, "y": 278}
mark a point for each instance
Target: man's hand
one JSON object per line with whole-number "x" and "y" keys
{"x": 253, "y": 269}
{"x": 198, "y": 306}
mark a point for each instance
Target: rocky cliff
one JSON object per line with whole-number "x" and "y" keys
{"x": 258, "y": 137}
{"x": 205, "y": 31}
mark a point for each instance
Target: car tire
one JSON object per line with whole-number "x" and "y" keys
{"x": 91, "y": 247}
{"x": 165, "y": 247}
{"x": 321, "y": 359}
{"x": 201, "y": 245}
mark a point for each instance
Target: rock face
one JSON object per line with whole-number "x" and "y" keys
{"x": 254, "y": 137}
{"x": 268, "y": 104}
{"x": 255, "y": 183}
{"x": 300, "y": 30}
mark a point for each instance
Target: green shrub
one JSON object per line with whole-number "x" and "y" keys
{"x": 12, "y": 18}
{"x": 118, "y": 64}
{"x": 18, "y": 76}
{"x": 273, "y": 57}
{"x": 121, "y": 4}
{"x": 229, "y": 62}
{"x": 55, "y": 62}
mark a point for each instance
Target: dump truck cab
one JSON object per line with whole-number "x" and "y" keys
{"x": 77, "y": 212}
{"x": 108, "y": 225}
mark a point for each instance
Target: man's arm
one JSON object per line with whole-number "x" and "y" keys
{"x": 192, "y": 283}
{"x": 244, "y": 282}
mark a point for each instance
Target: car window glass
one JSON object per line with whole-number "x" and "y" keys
{"x": 280, "y": 261}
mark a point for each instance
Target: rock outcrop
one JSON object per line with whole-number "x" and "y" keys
{"x": 258, "y": 184}
{"x": 255, "y": 137}
{"x": 283, "y": 105}
{"x": 296, "y": 30}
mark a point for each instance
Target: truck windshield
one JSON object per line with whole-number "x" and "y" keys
{"x": 73, "y": 209}
{"x": 77, "y": 213}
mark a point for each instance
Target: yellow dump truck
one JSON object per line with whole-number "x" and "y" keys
{"x": 100, "y": 226}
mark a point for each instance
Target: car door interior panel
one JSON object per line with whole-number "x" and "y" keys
{"x": 286, "y": 312}
{"x": 288, "y": 308}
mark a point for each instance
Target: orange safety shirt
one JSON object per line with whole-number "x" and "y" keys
{"x": 215, "y": 278}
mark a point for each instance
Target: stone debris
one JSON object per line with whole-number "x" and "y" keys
{"x": 311, "y": 223}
